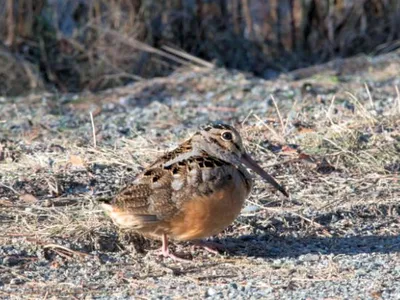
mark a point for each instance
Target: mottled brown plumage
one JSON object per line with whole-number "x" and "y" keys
{"x": 192, "y": 192}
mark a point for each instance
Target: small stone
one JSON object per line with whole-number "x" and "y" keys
{"x": 277, "y": 264}
{"x": 16, "y": 281}
{"x": 361, "y": 272}
{"x": 233, "y": 285}
{"x": 268, "y": 290}
{"x": 250, "y": 209}
{"x": 47, "y": 203}
{"x": 249, "y": 285}
{"x": 11, "y": 261}
{"x": 309, "y": 257}
{"x": 211, "y": 292}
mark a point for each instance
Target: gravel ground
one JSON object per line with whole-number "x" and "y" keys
{"x": 334, "y": 144}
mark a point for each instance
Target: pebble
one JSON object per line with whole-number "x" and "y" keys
{"x": 233, "y": 285}
{"x": 251, "y": 209}
{"x": 16, "y": 281}
{"x": 211, "y": 292}
{"x": 11, "y": 261}
{"x": 309, "y": 257}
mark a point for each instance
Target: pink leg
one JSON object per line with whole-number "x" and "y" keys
{"x": 164, "y": 251}
{"x": 212, "y": 247}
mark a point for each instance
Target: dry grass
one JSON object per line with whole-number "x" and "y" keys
{"x": 341, "y": 160}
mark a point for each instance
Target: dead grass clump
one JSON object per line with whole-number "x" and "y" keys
{"x": 339, "y": 157}
{"x": 17, "y": 76}
{"x": 85, "y": 45}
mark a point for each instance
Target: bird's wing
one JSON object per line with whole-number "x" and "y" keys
{"x": 158, "y": 193}
{"x": 148, "y": 197}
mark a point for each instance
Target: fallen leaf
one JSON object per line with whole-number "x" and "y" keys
{"x": 76, "y": 161}
{"x": 28, "y": 198}
{"x": 4, "y": 202}
{"x": 55, "y": 265}
{"x": 305, "y": 130}
{"x": 289, "y": 149}
{"x": 376, "y": 294}
{"x": 303, "y": 127}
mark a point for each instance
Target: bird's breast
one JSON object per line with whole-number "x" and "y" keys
{"x": 207, "y": 214}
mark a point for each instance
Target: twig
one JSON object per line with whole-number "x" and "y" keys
{"x": 329, "y": 112}
{"x": 288, "y": 118}
{"x": 398, "y": 98}
{"x": 188, "y": 56}
{"x": 270, "y": 128}
{"x": 143, "y": 46}
{"x": 245, "y": 119}
{"x": 371, "y": 102}
{"x": 93, "y": 130}
{"x": 66, "y": 249}
{"x": 45, "y": 295}
{"x": 360, "y": 106}
{"x": 279, "y": 114}
{"x": 312, "y": 222}
{"x": 10, "y": 188}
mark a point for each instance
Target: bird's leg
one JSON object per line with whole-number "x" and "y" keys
{"x": 164, "y": 247}
{"x": 164, "y": 250}
{"x": 212, "y": 247}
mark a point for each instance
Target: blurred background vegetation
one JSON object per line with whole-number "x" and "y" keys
{"x": 74, "y": 45}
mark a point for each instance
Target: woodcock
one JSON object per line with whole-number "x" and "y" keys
{"x": 192, "y": 192}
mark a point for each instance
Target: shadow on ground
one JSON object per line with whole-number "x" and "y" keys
{"x": 276, "y": 247}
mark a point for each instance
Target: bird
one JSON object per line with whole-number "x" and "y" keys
{"x": 192, "y": 192}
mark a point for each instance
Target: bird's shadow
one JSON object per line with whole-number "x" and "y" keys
{"x": 279, "y": 247}
{"x": 288, "y": 239}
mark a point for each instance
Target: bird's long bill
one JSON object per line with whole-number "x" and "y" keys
{"x": 250, "y": 163}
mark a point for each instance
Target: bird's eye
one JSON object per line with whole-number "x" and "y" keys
{"x": 227, "y": 136}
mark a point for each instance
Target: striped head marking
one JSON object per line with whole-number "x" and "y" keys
{"x": 224, "y": 142}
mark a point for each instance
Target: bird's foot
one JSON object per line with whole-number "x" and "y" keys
{"x": 166, "y": 253}
{"x": 212, "y": 247}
